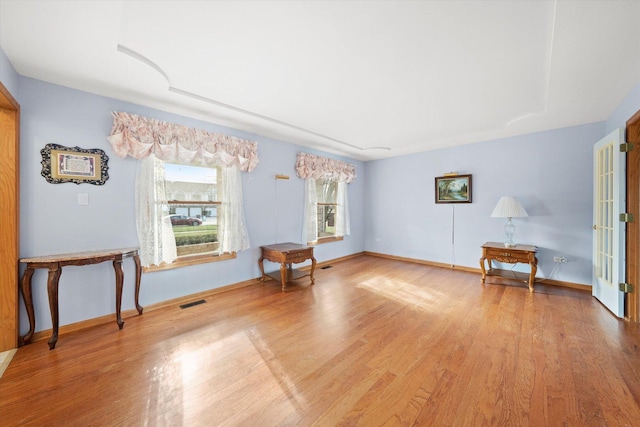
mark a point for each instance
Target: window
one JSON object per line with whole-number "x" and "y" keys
{"x": 326, "y": 210}
{"x": 191, "y": 230}
{"x": 150, "y": 140}
{"x": 326, "y": 207}
{"x": 327, "y": 193}
{"x": 194, "y": 217}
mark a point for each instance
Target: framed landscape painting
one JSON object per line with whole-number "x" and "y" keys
{"x": 453, "y": 189}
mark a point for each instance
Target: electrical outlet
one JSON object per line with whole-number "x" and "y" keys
{"x": 560, "y": 259}
{"x": 83, "y": 199}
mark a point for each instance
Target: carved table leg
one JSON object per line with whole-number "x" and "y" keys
{"x": 25, "y": 289}
{"x": 52, "y": 287}
{"x": 136, "y": 260}
{"x": 283, "y": 274}
{"x": 117, "y": 266}
{"x": 484, "y": 272}
{"x": 532, "y": 275}
{"x": 313, "y": 268}
{"x": 262, "y": 275}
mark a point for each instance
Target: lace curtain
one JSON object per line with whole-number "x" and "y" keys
{"x": 233, "y": 234}
{"x": 155, "y": 233}
{"x": 310, "y": 224}
{"x": 312, "y": 168}
{"x": 154, "y": 142}
{"x": 343, "y": 222}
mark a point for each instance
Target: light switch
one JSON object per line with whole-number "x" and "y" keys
{"x": 83, "y": 199}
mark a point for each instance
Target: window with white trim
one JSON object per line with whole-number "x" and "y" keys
{"x": 179, "y": 232}
{"x": 194, "y": 209}
{"x": 154, "y": 142}
{"x": 326, "y": 208}
{"x": 327, "y": 193}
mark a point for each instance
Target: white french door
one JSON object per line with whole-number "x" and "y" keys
{"x": 608, "y": 230}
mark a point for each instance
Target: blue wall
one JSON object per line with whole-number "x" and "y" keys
{"x": 53, "y": 222}
{"x": 549, "y": 172}
{"x": 392, "y": 201}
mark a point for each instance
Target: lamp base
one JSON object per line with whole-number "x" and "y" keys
{"x": 509, "y": 229}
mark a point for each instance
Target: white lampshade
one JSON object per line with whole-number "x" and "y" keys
{"x": 508, "y": 207}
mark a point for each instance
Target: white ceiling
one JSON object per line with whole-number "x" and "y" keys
{"x": 364, "y": 79}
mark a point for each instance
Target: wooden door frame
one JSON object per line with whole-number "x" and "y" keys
{"x": 9, "y": 219}
{"x": 632, "y": 265}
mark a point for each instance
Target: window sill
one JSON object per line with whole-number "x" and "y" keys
{"x": 323, "y": 240}
{"x": 186, "y": 261}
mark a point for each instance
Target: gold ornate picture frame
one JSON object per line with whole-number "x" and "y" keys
{"x": 78, "y": 165}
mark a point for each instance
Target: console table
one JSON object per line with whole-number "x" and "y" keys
{"x": 54, "y": 264}
{"x": 287, "y": 254}
{"x": 519, "y": 253}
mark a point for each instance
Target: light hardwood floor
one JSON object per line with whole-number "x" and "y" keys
{"x": 374, "y": 342}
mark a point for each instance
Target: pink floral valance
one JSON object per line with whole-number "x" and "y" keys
{"x": 139, "y": 137}
{"x": 317, "y": 167}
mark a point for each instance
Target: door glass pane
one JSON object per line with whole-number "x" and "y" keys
{"x": 605, "y": 217}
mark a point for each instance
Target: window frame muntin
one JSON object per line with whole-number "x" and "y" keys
{"x": 193, "y": 259}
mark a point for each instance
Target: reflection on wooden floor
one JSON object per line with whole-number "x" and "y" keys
{"x": 373, "y": 342}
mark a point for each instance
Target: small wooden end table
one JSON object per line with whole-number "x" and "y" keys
{"x": 54, "y": 264}
{"x": 519, "y": 253}
{"x": 287, "y": 254}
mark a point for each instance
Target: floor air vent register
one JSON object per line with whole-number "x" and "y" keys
{"x": 191, "y": 304}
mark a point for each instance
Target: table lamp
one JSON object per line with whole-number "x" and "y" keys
{"x": 508, "y": 207}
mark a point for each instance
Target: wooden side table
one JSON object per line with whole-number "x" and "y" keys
{"x": 519, "y": 253}
{"x": 54, "y": 264}
{"x": 287, "y": 254}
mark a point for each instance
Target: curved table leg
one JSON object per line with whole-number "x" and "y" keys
{"x": 262, "y": 275}
{"x": 52, "y": 287}
{"x": 25, "y": 290}
{"x": 117, "y": 266}
{"x": 484, "y": 272}
{"x": 313, "y": 268}
{"x": 283, "y": 274}
{"x": 532, "y": 275}
{"x": 136, "y": 260}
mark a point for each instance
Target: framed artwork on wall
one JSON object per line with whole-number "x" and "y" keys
{"x": 78, "y": 165}
{"x": 453, "y": 189}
